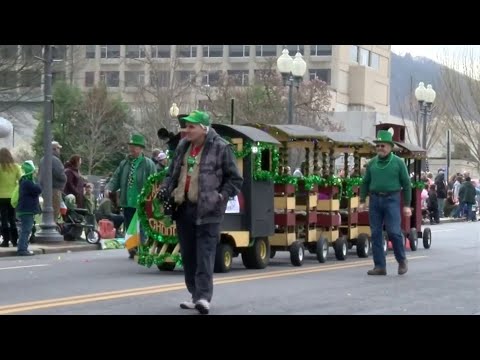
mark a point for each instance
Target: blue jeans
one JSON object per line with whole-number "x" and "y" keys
{"x": 386, "y": 210}
{"x": 25, "y": 230}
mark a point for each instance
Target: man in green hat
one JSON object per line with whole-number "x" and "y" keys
{"x": 386, "y": 177}
{"x": 130, "y": 177}
{"x": 201, "y": 178}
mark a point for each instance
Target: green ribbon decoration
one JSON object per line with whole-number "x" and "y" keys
{"x": 349, "y": 184}
{"x": 418, "y": 185}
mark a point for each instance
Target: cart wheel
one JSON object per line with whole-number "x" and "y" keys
{"x": 257, "y": 255}
{"x": 166, "y": 266}
{"x": 223, "y": 258}
{"x": 93, "y": 236}
{"x": 341, "y": 248}
{"x": 427, "y": 238}
{"x": 363, "y": 245}
{"x": 322, "y": 249}
{"x": 413, "y": 238}
{"x": 272, "y": 253}
{"x": 297, "y": 253}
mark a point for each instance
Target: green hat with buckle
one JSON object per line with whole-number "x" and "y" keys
{"x": 137, "y": 140}
{"x": 384, "y": 136}
{"x": 198, "y": 117}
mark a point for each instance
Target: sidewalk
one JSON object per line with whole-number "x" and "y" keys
{"x": 60, "y": 247}
{"x": 444, "y": 221}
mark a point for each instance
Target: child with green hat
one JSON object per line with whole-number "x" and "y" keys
{"x": 28, "y": 206}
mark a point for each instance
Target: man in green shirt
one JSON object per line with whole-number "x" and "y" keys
{"x": 386, "y": 176}
{"x": 130, "y": 177}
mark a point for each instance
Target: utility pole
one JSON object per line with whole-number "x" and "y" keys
{"x": 48, "y": 228}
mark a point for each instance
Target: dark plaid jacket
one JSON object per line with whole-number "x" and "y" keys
{"x": 218, "y": 173}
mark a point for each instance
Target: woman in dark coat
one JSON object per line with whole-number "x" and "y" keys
{"x": 75, "y": 182}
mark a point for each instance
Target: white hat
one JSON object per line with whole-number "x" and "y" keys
{"x": 56, "y": 144}
{"x": 161, "y": 156}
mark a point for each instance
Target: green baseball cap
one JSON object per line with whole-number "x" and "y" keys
{"x": 198, "y": 117}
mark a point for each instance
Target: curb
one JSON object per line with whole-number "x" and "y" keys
{"x": 53, "y": 249}
{"x": 445, "y": 221}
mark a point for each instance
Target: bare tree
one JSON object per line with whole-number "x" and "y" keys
{"x": 75, "y": 60}
{"x": 153, "y": 100}
{"x": 460, "y": 77}
{"x": 436, "y": 123}
{"x": 20, "y": 74}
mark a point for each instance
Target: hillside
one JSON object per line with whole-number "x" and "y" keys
{"x": 406, "y": 73}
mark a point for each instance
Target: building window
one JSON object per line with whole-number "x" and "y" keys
{"x": 321, "y": 74}
{"x": 354, "y": 53}
{"x": 211, "y": 78}
{"x": 212, "y": 50}
{"x": 263, "y": 75}
{"x": 239, "y": 77}
{"x": 187, "y": 51}
{"x": 239, "y": 50}
{"x": 160, "y": 79}
{"x": 30, "y": 78}
{"x": 363, "y": 56}
{"x": 8, "y": 51}
{"x": 293, "y": 49}
{"x": 266, "y": 50}
{"x": 204, "y": 105}
{"x": 110, "y": 51}
{"x": 110, "y": 78}
{"x": 374, "y": 61}
{"x": 59, "y": 52}
{"x": 134, "y": 78}
{"x": 58, "y": 76}
{"x": 160, "y": 51}
{"x": 30, "y": 51}
{"x": 89, "y": 79}
{"x": 320, "y": 50}
{"x": 135, "y": 51}
{"x": 90, "y": 51}
{"x": 8, "y": 79}
{"x": 185, "y": 77}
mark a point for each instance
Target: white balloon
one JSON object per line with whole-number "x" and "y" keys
{"x": 6, "y": 128}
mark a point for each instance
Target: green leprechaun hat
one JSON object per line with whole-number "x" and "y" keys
{"x": 384, "y": 136}
{"x": 137, "y": 140}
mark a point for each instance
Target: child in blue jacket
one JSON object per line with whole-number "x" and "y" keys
{"x": 28, "y": 206}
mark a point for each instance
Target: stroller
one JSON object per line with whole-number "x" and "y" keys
{"x": 76, "y": 221}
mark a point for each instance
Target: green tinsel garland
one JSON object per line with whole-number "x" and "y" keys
{"x": 349, "y": 184}
{"x": 144, "y": 257}
{"x": 418, "y": 185}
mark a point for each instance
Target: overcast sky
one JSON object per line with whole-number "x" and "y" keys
{"x": 433, "y": 52}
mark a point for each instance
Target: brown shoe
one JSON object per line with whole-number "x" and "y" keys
{"x": 377, "y": 271}
{"x": 402, "y": 267}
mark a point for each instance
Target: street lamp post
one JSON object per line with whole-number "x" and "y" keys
{"x": 425, "y": 97}
{"x": 292, "y": 71}
{"x": 48, "y": 228}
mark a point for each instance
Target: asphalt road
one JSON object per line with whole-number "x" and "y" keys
{"x": 442, "y": 280}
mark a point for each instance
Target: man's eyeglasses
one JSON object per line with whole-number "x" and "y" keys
{"x": 381, "y": 146}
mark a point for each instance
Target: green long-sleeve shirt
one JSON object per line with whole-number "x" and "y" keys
{"x": 387, "y": 175}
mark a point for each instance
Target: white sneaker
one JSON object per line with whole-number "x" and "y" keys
{"x": 203, "y": 306}
{"x": 190, "y": 305}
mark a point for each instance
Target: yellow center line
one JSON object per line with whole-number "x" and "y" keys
{"x": 111, "y": 295}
